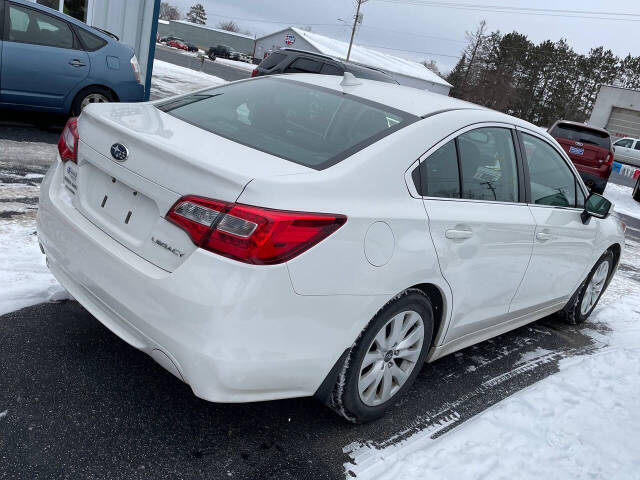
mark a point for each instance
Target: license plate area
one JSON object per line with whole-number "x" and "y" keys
{"x": 576, "y": 150}
{"x": 118, "y": 208}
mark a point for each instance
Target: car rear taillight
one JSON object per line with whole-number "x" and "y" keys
{"x": 68, "y": 143}
{"x": 254, "y": 72}
{"x": 255, "y": 235}
{"x": 136, "y": 67}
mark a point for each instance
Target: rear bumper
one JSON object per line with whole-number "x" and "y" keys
{"x": 129, "y": 91}
{"x": 233, "y": 332}
{"x": 594, "y": 182}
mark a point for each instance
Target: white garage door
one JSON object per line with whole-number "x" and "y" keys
{"x": 624, "y": 123}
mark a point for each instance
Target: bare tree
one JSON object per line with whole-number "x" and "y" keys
{"x": 433, "y": 66}
{"x": 229, "y": 26}
{"x": 168, "y": 11}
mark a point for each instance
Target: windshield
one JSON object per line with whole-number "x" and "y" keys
{"x": 312, "y": 126}
{"x": 581, "y": 134}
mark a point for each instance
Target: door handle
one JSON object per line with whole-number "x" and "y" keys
{"x": 544, "y": 236}
{"x": 76, "y": 63}
{"x": 454, "y": 234}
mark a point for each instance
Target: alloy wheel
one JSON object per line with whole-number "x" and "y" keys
{"x": 390, "y": 358}
{"x": 594, "y": 288}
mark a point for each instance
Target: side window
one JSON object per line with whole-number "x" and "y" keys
{"x": 91, "y": 42}
{"x": 552, "y": 182}
{"x": 438, "y": 175}
{"x": 303, "y": 65}
{"x": 637, "y": 147}
{"x": 31, "y": 26}
{"x": 488, "y": 164}
{"x": 328, "y": 69}
{"x": 625, "y": 143}
{"x": 272, "y": 60}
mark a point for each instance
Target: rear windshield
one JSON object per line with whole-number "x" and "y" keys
{"x": 309, "y": 125}
{"x": 581, "y": 134}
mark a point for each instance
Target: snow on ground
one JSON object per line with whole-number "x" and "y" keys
{"x": 236, "y": 63}
{"x": 624, "y": 202}
{"x": 169, "y": 79}
{"x": 581, "y": 423}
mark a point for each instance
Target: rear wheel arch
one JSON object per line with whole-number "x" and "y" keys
{"x": 438, "y": 304}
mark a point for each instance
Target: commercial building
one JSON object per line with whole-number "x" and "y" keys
{"x": 134, "y": 22}
{"x": 406, "y": 72}
{"x": 205, "y": 37}
{"x": 617, "y": 110}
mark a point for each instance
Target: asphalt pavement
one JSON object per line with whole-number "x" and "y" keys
{"x": 178, "y": 57}
{"x": 82, "y": 404}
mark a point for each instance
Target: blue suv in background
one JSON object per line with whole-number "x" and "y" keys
{"x": 52, "y": 62}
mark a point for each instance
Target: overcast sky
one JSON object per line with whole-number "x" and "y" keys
{"x": 439, "y": 31}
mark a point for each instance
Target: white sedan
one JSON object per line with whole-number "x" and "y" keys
{"x": 317, "y": 235}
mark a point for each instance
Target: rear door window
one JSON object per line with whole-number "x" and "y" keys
{"x": 637, "y": 147}
{"x": 488, "y": 164}
{"x": 581, "y": 134}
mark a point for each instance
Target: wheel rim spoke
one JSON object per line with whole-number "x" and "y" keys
{"x": 410, "y": 340}
{"x": 387, "y": 381}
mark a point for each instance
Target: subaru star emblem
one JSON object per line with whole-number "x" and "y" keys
{"x": 119, "y": 152}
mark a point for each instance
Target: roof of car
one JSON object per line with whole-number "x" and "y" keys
{"x": 335, "y": 59}
{"x": 421, "y": 103}
{"x": 584, "y": 125}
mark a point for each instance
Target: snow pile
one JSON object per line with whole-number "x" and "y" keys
{"x": 582, "y": 422}
{"x": 624, "y": 202}
{"x": 169, "y": 79}
{"x": 24, "y": 276}
{"x": 236, "y": 63}
{"x": 389, "y": 63}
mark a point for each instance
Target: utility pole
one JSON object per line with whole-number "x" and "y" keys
{"x": 355, "y": 24}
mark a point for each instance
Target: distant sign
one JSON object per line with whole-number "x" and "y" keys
{"x": 289, "y": 39}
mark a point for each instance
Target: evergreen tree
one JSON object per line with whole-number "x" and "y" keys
{"x": 197, "y": 14}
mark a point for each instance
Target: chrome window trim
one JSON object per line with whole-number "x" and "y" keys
{"x": 409, "y": 172}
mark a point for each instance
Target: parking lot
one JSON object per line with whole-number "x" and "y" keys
{"x": 78, "y": 402}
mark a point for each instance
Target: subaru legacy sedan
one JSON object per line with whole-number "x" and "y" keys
{"x": 52, "y": 62}
{"x": 312, "y": 235}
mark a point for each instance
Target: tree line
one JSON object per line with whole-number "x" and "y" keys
{"x": 196, "y": 14}
{"x": 539, "y": 83}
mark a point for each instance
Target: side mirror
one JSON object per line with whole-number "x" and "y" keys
{"x": 596, "y": 206}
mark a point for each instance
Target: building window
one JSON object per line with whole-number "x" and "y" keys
{"x": 74, "y": 8}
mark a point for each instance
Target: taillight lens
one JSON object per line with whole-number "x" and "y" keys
{"x": 68, "y": 143}
{"x": 255, "y": 235}
{"x": 254, "y": 72}
{"x": 136, "y": 67}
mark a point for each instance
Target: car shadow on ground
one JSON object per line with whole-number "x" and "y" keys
{"x": 82, "y": 403}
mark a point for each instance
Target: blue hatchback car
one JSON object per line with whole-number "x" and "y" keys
{"x": 52, "y": 62}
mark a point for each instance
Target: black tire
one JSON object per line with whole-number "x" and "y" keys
{"x": 212, "y": 56}
{"x": 345, "y": 398}
{"x": 636, "y": 191}
{"x": 76, "y": 106}
{"x": 572, "y": 311}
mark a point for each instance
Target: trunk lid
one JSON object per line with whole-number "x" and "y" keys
{"x": 166, "y": 159}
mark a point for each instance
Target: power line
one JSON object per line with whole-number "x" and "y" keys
{"x": 512, "y": 10}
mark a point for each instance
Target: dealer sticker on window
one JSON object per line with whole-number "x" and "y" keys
{"x": 70, "y": 178}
